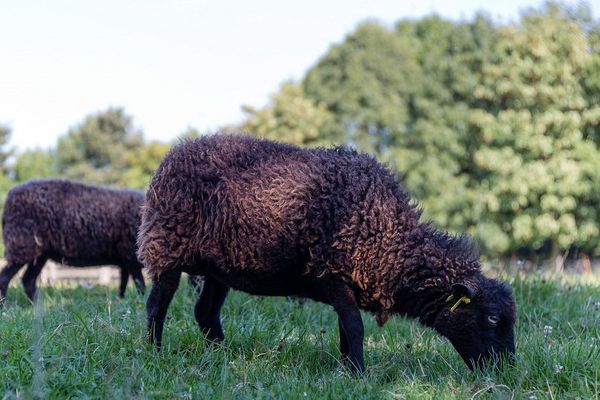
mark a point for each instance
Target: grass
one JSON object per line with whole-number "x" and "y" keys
{"x": 86, "y": 343}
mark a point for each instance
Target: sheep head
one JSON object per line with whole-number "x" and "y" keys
{"x": 478, "y": 318}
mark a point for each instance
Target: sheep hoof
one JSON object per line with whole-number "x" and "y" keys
{"x": 214, "y": 338}
{"x": 355, "y": 368}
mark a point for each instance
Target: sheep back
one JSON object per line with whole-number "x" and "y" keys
{"x": 71, "y": 222}
{"x": 263, "y": 216}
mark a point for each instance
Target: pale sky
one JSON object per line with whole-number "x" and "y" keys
{"x": 174, "y": 64}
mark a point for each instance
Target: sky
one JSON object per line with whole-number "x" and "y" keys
{"x": 176, "y": 64}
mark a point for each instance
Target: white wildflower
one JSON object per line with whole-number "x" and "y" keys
{"x": 558, "y": 368}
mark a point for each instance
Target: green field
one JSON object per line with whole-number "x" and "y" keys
{"x": 86, "y": 343}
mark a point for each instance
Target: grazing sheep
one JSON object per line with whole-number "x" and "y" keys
{"x": 332, "y": 225}
{"x": 71, "y": 223}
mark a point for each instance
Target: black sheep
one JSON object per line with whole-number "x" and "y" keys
{"x": 71, "y": 223}
{"x": 331, "y": 225}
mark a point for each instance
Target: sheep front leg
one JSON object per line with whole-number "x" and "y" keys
{"x": 344, "y": 345}
{"x": 163, "y": 289}
{"x": 351, "y": 327}
{"x": 5, "y": 277}
{"x": 123, "y": 283}
{"x": 30, "y": 276}
{"x": 208, "y": 309}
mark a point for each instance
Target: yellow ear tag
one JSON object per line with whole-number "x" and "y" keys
{"x": 463, "y": 299}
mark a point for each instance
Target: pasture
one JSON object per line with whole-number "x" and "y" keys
{"x": 83, "y": 342}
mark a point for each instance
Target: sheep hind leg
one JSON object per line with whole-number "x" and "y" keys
{"x": 138, "y": 279}
{"x": 351, "y": 327}
{"x": 160, "y": 297}
{"x": 123, "y": 282}
{"x": 5, "y": 277}
{"x": 344, "y": 345}
{"x": 30, "y": 276}
{"x": 208, "y": 309}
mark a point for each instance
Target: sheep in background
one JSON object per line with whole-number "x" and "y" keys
{"x": 70, "y": 223}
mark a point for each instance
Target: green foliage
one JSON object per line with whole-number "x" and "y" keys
{"x": 535, "y": 167}
{"x": 435, "y": 155}
{"x": 293, "y": 118}
{"x": 5, "y": 181}
{"x": 98, "y": 149}
{"x": 106, "y": 149}
{"x": 5, "y": 152}
{"x": 366, "y": 82}
{"x": 88, "y": 343}
{"x": 34, "y": 164}
{"x": 142, "y": 164}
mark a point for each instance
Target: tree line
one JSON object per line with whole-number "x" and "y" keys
{"x": 494, "y": 128}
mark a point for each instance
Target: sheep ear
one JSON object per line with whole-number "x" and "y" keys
{"x": 460, "y": 289}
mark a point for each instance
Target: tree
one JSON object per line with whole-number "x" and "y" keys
{"x": 291, "y": 117}
{"x": 32, "y": 164}
{"x": 434, "y": 154}
{"x": 5, "y": 181}
{"x": 97, "y": 150}
{"x": 5, "y": 151}
{"x": 367, "y": 82}
{"x": 142, "y": 163}
{"x": 535, "y": 163}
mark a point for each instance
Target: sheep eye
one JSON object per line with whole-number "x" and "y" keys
{"x": 493, "y": 319}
